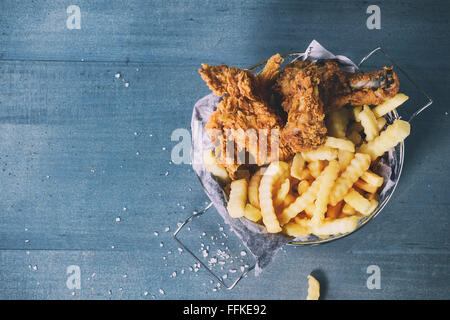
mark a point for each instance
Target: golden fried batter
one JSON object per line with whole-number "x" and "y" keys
{"x": 243, "y": 117}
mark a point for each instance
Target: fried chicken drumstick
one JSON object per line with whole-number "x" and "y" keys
{"x": 310, "y": 90}
{"x": 307, "y": 92}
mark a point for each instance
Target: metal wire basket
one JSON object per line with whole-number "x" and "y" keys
{"x": 421, "y": 99}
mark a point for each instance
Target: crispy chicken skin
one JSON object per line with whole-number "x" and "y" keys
{"x": 309, "y": 90}
{"x": 248, "y": 112}
{"x": 244, "y": 116}
{"x": 338, "y": 88}
{"x": 305, "y": 127}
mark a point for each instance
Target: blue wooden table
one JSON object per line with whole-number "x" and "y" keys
{"x": 88, "y": 187}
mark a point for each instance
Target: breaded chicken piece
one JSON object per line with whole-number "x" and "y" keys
{"x": 309, "y": 90}
{"x": 243, "y": 118}
{"x": 336, "y": 87}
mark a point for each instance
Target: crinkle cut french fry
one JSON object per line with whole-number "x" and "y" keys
{"x": 252, "y": 213}
{"x": 363, "y": 185}
{"x": 337, "y": 123}
{"x": 344, "y": 158}
{"x": 381, "y": 123}
{"x": 305, "y": 199}
{"x": 302, "y": 186}
{"x": 274, "y": 171}
{"x": 390, "y": 104}
{"x": 372, "y": 178}
{"x": 324, "y": 191}
{"x": 335, "y": 226}
{"x": 288, "y": 200}
{"x": 282, "y": 192}
{"x": 340, "y": 144}
{"x": 389, "y": 138}
{"x": 359, "y": 164}
{"x": 253, "y": 188}
{"x": 310, "y": 208}
{"x": 348, "y": 209}
{"x": 210, "y": 163}
{"x": 369, "y": 123}
{"x": 296, "y": 230}
{"x": 313, "y": 288}
{"x": 298, "y": 164}
{"x": 316, "y": 167}
{"x": 321, "y": 153}
{"x": 357, "y": 201}
{"x": 238, "y": 198}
